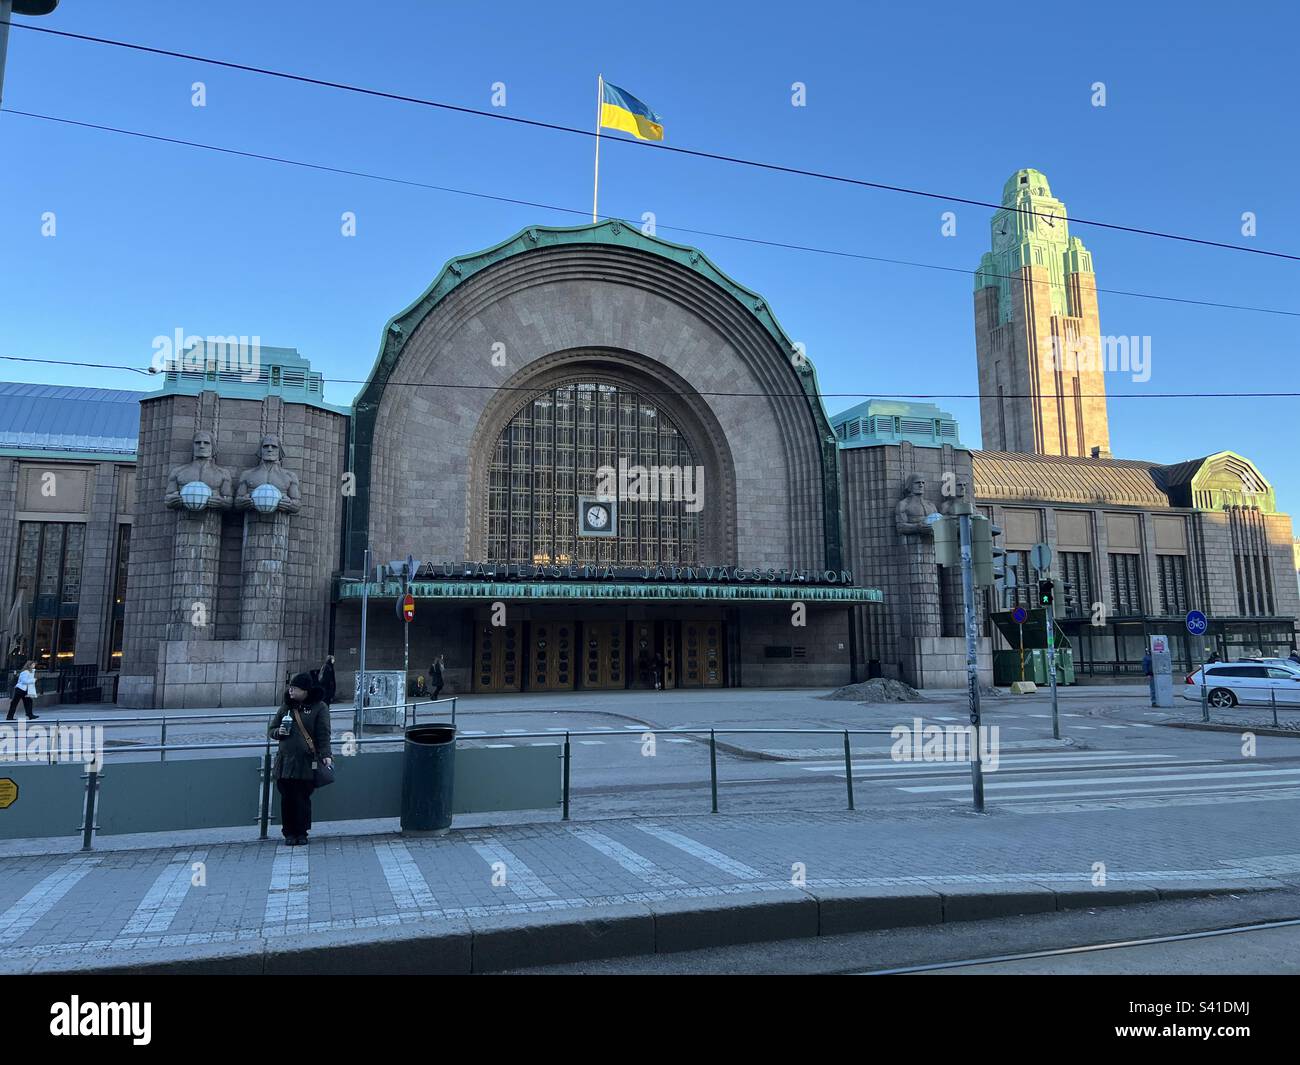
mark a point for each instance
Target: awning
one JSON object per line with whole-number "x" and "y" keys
{"x": 615, "y": 591}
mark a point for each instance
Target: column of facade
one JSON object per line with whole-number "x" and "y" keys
{"x": 195, "y": 573}
{"x": 266, "y": 552}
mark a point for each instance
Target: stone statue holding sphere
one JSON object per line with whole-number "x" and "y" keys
{"x": 913, "y": 510}
{"x": 200, "y": 484}
{"x": 268, "y": 487}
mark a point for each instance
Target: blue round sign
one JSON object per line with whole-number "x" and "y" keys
{"x": 1196, "y": 623}
{"x": 1019, "y": 614}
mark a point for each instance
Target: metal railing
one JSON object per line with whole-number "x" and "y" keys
{"x": 636, "y": 734}
{"x": 409, "y": 717}
{"x": 93, "y": 773}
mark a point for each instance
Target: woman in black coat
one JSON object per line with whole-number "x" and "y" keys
{"x": 295, "y": 762}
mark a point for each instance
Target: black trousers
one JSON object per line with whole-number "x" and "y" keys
{"x": 26, "y": 700}
{"x": 437, "y": 687}
{"x": 295, "y": 806}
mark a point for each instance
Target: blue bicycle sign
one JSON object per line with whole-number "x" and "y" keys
{"x": 1196, "y": 623}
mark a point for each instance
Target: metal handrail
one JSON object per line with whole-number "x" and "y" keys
{"x": 231, "y": 715}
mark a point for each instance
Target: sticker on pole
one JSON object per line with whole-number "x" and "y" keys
{"x": 1019, "y": 614}
{"x": 8, "y": 792}
{"x": 1196, "y": 623}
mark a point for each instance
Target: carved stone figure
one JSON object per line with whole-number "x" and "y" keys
{"x": 948, "y": 504}
{"x": 913, "y": 509}
{"x": 269, "y": 471}
{"x": 204, "y": 470}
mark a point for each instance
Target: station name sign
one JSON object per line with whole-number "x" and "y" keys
{"x": 487, "y": 571}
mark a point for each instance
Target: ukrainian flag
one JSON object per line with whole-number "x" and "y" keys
{"x": 622, "y": 110}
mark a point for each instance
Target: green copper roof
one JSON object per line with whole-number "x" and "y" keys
{"x": 1224, "y": 479}
{"x": 891, "y": 421}
{"x": 245, "y": 368}
{"x": 1031, "y": 230}
{"x": 549, "y": 591}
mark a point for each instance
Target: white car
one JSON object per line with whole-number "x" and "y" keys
{"x": 1285, "y": 663}
{"x": 1228, "y": 684}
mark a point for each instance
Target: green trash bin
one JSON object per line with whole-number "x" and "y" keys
{"x": 428, "y": 777}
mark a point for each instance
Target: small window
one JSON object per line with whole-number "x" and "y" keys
{"x": 1024, "y": 179}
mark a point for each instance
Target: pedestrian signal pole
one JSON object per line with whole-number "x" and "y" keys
{"x": 1046, "y": 598}
{"x": 962, "y": 509}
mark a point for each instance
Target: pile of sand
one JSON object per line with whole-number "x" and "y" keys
{"x": 877, "y": 690}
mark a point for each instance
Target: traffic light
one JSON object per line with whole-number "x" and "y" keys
{"x": 981, "y": 549}
{"x": 947, "y": 542}
{"x": 1045, "y": 593}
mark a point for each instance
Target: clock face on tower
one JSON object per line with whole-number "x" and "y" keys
{"x": 596, "y": 517}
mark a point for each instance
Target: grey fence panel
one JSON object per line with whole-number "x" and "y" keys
{"x": 365, "y": 785}
{"x": 506, "y": 778}
{"x": 50, "y": 800}
{"x": 171, "y": 796}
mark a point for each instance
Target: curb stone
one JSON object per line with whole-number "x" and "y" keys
{"x": 460, "y": 946}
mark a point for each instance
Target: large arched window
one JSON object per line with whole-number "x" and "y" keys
{"x": 547, "y": 459}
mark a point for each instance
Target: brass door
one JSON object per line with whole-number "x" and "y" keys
{"x": 550, "y": 656}
{"x": 496, "y": 658}
{"x": 604, "y": 654}
{"x": 701, "y": 654}
{"x": 670, "y": 654}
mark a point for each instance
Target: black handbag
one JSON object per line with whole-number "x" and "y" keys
{"x": 321, "y": 774}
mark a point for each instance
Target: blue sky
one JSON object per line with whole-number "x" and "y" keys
{"x": 1198, "y": 129}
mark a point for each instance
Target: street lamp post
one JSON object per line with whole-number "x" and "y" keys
{"x": 9, "y": 8}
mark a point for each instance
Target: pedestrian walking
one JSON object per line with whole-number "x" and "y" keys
{"x": 435, "y": 676}
{"x": 327, "y": 680}
{"x": 302, "y": 725}
{"x": 24, "y": 691}
{"x": 657, "y": 668}
{"x": 1149, "y": 673}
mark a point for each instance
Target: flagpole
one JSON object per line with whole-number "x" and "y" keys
{"x": 595, "y": 185}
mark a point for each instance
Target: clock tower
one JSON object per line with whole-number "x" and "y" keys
{"x": 1037, "y": 333}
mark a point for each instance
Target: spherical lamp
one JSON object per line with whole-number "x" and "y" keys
{"x": 195, "y": 495}
{"x": 266, "y": 497}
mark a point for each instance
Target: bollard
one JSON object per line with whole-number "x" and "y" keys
{"x": 88, "y": 814}
{"x": 848, "y": 767}
{"x": 713, "y": 768}
{"x": 265, "y": 817}
{"x": 453, "y": 711}
{"x": 565, "y": 799}
{"x": 162, "y": 740}
{"x": 1272, "y": 699}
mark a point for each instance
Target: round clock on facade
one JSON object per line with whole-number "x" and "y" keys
{"x": 596, "y": 517}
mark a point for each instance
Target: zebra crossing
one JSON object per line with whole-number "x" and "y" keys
{"x": 1060, "y": 782}
{"x": 228, "y": 893}
{"x": 633, "y": 862}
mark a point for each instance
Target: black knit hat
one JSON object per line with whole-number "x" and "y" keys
{"x": 303, "y": 681}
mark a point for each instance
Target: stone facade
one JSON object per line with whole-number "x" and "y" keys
{"x": 1228, "y": 559}
{"x": 638, "y": 317}
{"x": 918, "y": 638}
{"x": 314, "y": 440}
{"x": 1037, "y": 331}
{"x": 89, "y": 494}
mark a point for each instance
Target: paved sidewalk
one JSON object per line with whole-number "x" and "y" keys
{"x": 490, "y": 896}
